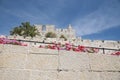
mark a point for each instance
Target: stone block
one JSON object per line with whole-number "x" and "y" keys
{"x": 109, "y": 41}
{"x": 12, "y": 60}
{"x": 74, "y": 60}
{"x": 18, "y": 49}
{"x": 43, "y": 51}
{"x": 96, "y": 43}
{"x": 14, "y": 49}
{"x": 44, "y": 75}
{"x": 67, "y": 75}
{"x": 16, "y": 75}
{"x": 1, "y": 74}
{"x": 89, "y": 76}
{"x": 5, "y": 48}
{"x": 1, "y": 60}
{"x": 109, "y": 51}
{"x": 110, "y": 75}
{"x": 1, "y": 48}
{"x": 103, "y": 62}
{"x": 109, "y": 46}
{"x": 98, "y": 76}
{"x": 86, "y": 42}
{"x": 43, "y": 62}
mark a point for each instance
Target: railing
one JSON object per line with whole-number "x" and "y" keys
{"x": 103, "y": 49}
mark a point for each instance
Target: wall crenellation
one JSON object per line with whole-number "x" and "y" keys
{"x": 69, "y": 32}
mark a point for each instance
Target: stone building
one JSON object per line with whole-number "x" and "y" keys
{"x": 69, "y": 32}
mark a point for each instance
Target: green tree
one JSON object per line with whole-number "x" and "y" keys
{"x": 50, "y": 35}
{"x": 33, "y": 32}
{"x": 62, "y": 36}
{"x": 16, "y": 31}
{"x": 25, "y": 30}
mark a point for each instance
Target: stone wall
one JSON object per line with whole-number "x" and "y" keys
{"x": 30, "y": 63}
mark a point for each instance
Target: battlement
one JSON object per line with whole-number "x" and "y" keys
{"x": 69, "y": 32}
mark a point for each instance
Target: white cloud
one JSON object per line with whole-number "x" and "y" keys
{"x": 107, "y": 16}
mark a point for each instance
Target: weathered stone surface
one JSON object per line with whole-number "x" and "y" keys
{"x": 16, "y": 75}
{"x": 110, "y": 76}
{"x": 18, "y": 49}
{"x": 42, "y": 61}
{"x": 89, "y": 76}
{"x": 109, "y": 51}
{"x": 74, "y": 60}
{"x": 14, "y": 49}
{"x": 12, "y": 60}
{"x": 6, "y": 48}
{"x": 43, "y": 51}
{"x": 104, "y": 62}
{"x": 86, "y": 42}
{"x": 1, "y": 60}
{"x": 96, "y": 43}
{"x": 1, "y": 74}
{"x": 1, "y": 48}
{"x": 109, "y": 46}
{"x": 68, "y": 75}
{"x": 98, "y": 76}
{"x": 44, "y": 75}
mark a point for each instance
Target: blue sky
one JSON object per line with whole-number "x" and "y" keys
{"x": 92, "y": 19}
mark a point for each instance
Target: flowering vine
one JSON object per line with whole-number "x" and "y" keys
{"x": 58, "y": 46}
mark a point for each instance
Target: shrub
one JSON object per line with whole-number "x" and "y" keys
{"x": 50, "y": 35}
{"x": 62, "y": 36}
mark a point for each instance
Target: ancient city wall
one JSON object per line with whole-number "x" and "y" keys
{"x": 30, "y": 63}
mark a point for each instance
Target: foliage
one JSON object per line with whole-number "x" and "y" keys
{"x": 25, "y": 30}
{"x": 62, "y": 36}
{"x": 16, "y": 31}
{"x": 50, "y": 35}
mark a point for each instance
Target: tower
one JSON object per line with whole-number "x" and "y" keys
{"x": 50, "y": 28}
{"x": 69, "y": 27}
{"x": 71, "y": 32}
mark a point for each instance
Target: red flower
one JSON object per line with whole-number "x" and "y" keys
{"x": 67, "y": 44}
{"x": 22, "y": 44}
{"x": 96, "y": 50}
{"x": 76, "y": 49}
{"x": 81, "y": 48}
{"x": 116, "y": 53}
{"x": 68, "y": 47}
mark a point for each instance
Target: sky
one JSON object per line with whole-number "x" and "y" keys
{"x": 92, "y": 19}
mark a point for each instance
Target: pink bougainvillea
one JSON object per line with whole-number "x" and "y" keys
{"x": 57, "y": 46}
{"x": 116, "y": 53}
{"x": 82, "y": 48}
{"x": 8, "y": 41}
